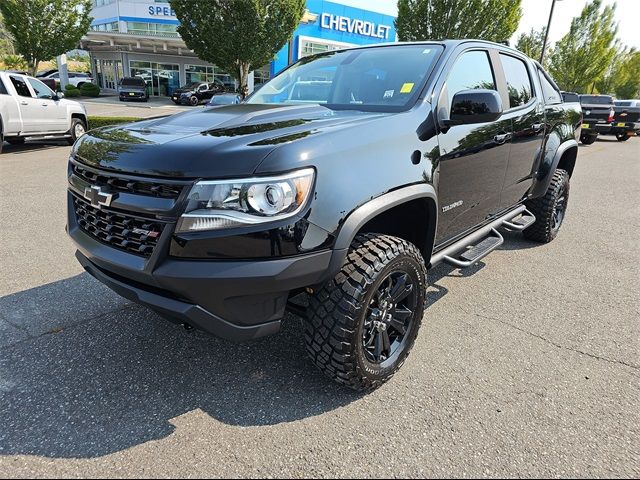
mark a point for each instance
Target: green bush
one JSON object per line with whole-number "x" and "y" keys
{"x": 89, "y": 90}
{"x": 96, "y": 122}
{"x": 71, "y": 91}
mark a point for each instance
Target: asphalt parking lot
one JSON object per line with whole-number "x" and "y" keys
{"x": 526, "y": 365}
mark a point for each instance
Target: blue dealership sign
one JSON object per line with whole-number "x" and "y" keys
{"x": 337, "y": 25}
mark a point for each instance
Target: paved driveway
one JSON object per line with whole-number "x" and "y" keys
{"x": 526, "y": 365}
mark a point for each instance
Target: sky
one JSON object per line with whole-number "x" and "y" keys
{"x": 536, "y": 14}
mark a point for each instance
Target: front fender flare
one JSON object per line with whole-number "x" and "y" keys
{"x": 364, "y": 213}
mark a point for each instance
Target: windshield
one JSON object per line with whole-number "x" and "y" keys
{"x": 380, "y": 79}
{"x": 596, "y": 100}
{"x": 133, "y": 82}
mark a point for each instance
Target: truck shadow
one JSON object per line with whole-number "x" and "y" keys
{"x": 27, "y": 147}
{"x": 117, "y": 380}
{"x": 99, "y": 375}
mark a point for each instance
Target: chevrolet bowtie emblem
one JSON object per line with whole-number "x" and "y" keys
{"x": 97, "y": 197}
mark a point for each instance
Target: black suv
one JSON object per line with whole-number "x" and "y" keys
{"x": 197, "y": 92}
{"x": 343, "y": 179}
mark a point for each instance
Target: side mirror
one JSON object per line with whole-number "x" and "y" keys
{"x": 475, "y": 106}
{"x": 58, "y": 96}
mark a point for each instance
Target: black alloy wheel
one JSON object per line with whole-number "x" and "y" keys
{"x": 389, "y": 318}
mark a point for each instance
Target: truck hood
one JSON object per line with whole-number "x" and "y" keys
{"x": 222, "y": 142}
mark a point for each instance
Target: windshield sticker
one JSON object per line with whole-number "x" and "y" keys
{"x": 406, "y": 88}
{"x": 388, "y": 94}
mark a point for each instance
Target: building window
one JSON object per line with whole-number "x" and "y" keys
{"x": 206, "y": 73}
{"x": 309, "y": 47}
{"x": 105, "y": 27}
{"x": 261, "y": 75}
{"x": 102, "y": 3}
{"x": 152, "y": 29}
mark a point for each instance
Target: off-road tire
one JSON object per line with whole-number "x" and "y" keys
{"x": 336, "y": 314}
{"x": 588, "y": 139}
{"x": 546, "y": 227}
{"x": 622, "y": 137}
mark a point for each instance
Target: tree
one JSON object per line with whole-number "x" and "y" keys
{"x": 627, "y": 82}
{"x": 43, "y": 29}
{"x": 494, "y": 20}
{"x": 237, "y": 35}
{"x": 531, "y": 43}
{"x": 583, "y": 55}
{"x": 613, "y": 74}
{"x": 6, "y": 41}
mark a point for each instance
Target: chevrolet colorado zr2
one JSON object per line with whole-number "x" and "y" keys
{"x": 344, "y": 178}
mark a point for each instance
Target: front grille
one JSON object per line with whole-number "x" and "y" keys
{"x": 119, "y": 184}
{"x": 124, "y": 232}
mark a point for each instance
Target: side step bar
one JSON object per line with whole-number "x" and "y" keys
{"x": 477, "y": 245}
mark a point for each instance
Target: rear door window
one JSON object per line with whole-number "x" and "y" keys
{"x": 21, "y": 86}
{"x": 550, "y": 93}
{"x": 518, "y": 80}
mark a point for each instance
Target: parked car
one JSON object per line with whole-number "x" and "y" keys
{"x": 417, "y": 154}
{"x": 598, "y": 114}
{"x": 75, "y": 78}
{"x": 195, "y": 93}
{"x": 626, "y": 119}
{"x": 45, "y": 73}
{"x": 31, "y": 110}
{"x": 133, "y": 88}
{"x": 224, "y": 99}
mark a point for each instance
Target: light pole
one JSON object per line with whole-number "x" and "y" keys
{"x": 546, "y": 33}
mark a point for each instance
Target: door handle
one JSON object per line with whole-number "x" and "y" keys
{"x": 501, "y": 138}
{"x": 45, "y": 104}
{"x": 24, "y": 103}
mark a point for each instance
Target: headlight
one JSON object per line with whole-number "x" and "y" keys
{"x": 217, "y": 204}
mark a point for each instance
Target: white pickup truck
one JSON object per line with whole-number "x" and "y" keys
{"x": 30, "y": 109}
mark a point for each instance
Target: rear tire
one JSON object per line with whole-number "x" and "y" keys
{"x": 622, "y": 137}
{"x": 193, "y": 101}
{"x": 549, "y": 210}
{"x": 362, "y": 324}
{"x": 78, "y": 128}
{"x": 588, "y": 139}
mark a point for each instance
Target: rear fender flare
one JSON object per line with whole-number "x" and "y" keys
{"x": 548, "y": 166}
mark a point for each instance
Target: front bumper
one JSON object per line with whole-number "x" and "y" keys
{"x": 234, "y": 299}
{"x": 132, "y": 95}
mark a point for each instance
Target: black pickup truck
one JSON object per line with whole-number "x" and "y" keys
{"x": 403, "y": 157}
{"x": 626, "y": 119}
{"x": 598, "y": 116}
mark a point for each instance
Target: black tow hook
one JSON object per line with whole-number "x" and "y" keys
{"x": 187, "y": 327}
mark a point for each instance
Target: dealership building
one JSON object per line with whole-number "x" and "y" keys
{"x": 139, "y": 38}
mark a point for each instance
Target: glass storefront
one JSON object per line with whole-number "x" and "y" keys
{"x": 204, "y": 73}
{"x": 108, "y": 73}
{"x": 161, "y": 78}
